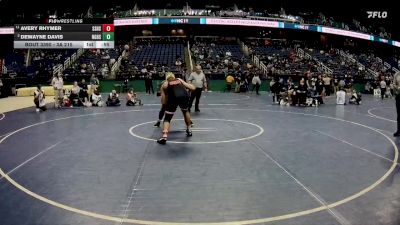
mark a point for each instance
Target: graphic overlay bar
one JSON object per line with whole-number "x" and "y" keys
{"x": 63, "y": 44}
{"x": 65, "y": 33}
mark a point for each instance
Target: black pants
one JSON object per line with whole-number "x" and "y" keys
{"x": 257, "y": 86}
{"x": 383, "y": 93}
{"x": 131, "y": 103}
{"x": 398, "y": 111}
{"x": 161, "y": 113}
{"x": 327, "y": 90}
{"x": 43, "y": 108}
{"x": 302, "y": 98}
{"x": 195, "y": 94}
{"x": 149, "y": 86}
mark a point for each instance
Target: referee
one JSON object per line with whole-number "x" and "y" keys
{"x": 396, "y": 84}
{"x": 198, "y": 79}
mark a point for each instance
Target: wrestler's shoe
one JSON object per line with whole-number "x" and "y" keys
{"x": 157, "y": 124}
{"x": 189, "y": 132}
{"x": 162, "y": 141}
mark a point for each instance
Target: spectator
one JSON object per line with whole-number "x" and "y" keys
{"x": 198, "y": 79}
{"x": 335, "y": 84}
{"x": 1, "y": 88}
{"x": 256, "y": 82}
{"x": 396, "y": 84}
{"x": 58, "y": 84}
{"x": 327, "y": 85}
{"x": 355, "y": 98}
{"x": 74, "y": 95}
{"x": 301, "y": 94}
{"x": 132, "y": 99}
{"x": 94, "y": 82}
{"x": 319, "y": 87}
{"x": 230, "y": 80}
{"x": 96, "y": 98}
{"x": 113, "y": 99}
{"x": 368, "y": 88}
{"x": 38, "y": 99}
{"x": 83, "y": 91}
{"x": 382, "y": 84}
{"x": 148, "y": 81}
{"x": 178, "y": 62}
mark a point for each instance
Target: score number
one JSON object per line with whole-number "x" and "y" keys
{"x": 108, "y": 27}
{"x": 108, "y": 32}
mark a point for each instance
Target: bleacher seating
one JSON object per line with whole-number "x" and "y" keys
{"x": 158, "y": 54}
{"x": 94, "y": 61}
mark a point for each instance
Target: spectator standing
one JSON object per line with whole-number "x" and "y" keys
{"x": 58, "y": 85}
{"x": 148, "y": 81}
{"x": 94, "y": 82}
{"x": 327, "y": 85}
{"x": 83, "y": 92}
{"x": 1, "y": 87}
{"x": 256, "y": 82}
{"x": 319, "y": 87}
{"x": 382, "y": 84}
{"x": 198, "y": 79}
{"x": 335, "y": 84}
{"x": 396, "y": 85}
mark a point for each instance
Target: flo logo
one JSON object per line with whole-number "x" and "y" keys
{"x": 377, "y": 14}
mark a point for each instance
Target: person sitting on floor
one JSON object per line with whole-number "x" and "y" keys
{"x": 67, "y": 102}
{"x": 284, "y": 97}
{"x": 132, "y": 99}
{"x": 83, "y": 92}
{"x": 113, "y": 99}
{"x": 301, "y": 94}
{"x": 96, "y": 99}
{"x": 38, "y": 99}
{"x": 74, "y": 95}
{"x": 355, "y": 98}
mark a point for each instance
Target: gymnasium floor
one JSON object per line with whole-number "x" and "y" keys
{"x": 248, "y": 162}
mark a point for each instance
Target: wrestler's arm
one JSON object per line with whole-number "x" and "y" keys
{"x": 191, "y": 87}
{"x": 163, "y": 95}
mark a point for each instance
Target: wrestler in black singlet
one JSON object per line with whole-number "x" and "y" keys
{"x": 177, "y": 96}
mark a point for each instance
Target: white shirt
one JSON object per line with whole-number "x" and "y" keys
{"x": 57, "y": 83}
{"x": 40, "y": 96}
{"x": 383, "y": 84}
{"x": 340, "y": 97}
{"x": 198, "y": 80}
{"x": 96, "y": 98}
{"x": 256, "y": 80}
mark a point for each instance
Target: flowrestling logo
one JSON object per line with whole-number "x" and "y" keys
{"x": 377, "y": 14}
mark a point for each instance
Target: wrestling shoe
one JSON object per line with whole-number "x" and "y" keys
{"x": 162, "y": 141}
{"x": 157, "y": 124}
{"x": 189, "y": 133}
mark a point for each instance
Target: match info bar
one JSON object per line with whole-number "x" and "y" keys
{"x": 63, "y": 44}
{"x": 62, "y": 36}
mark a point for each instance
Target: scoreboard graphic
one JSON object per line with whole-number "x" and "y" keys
{"x": 65, "y": 34}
